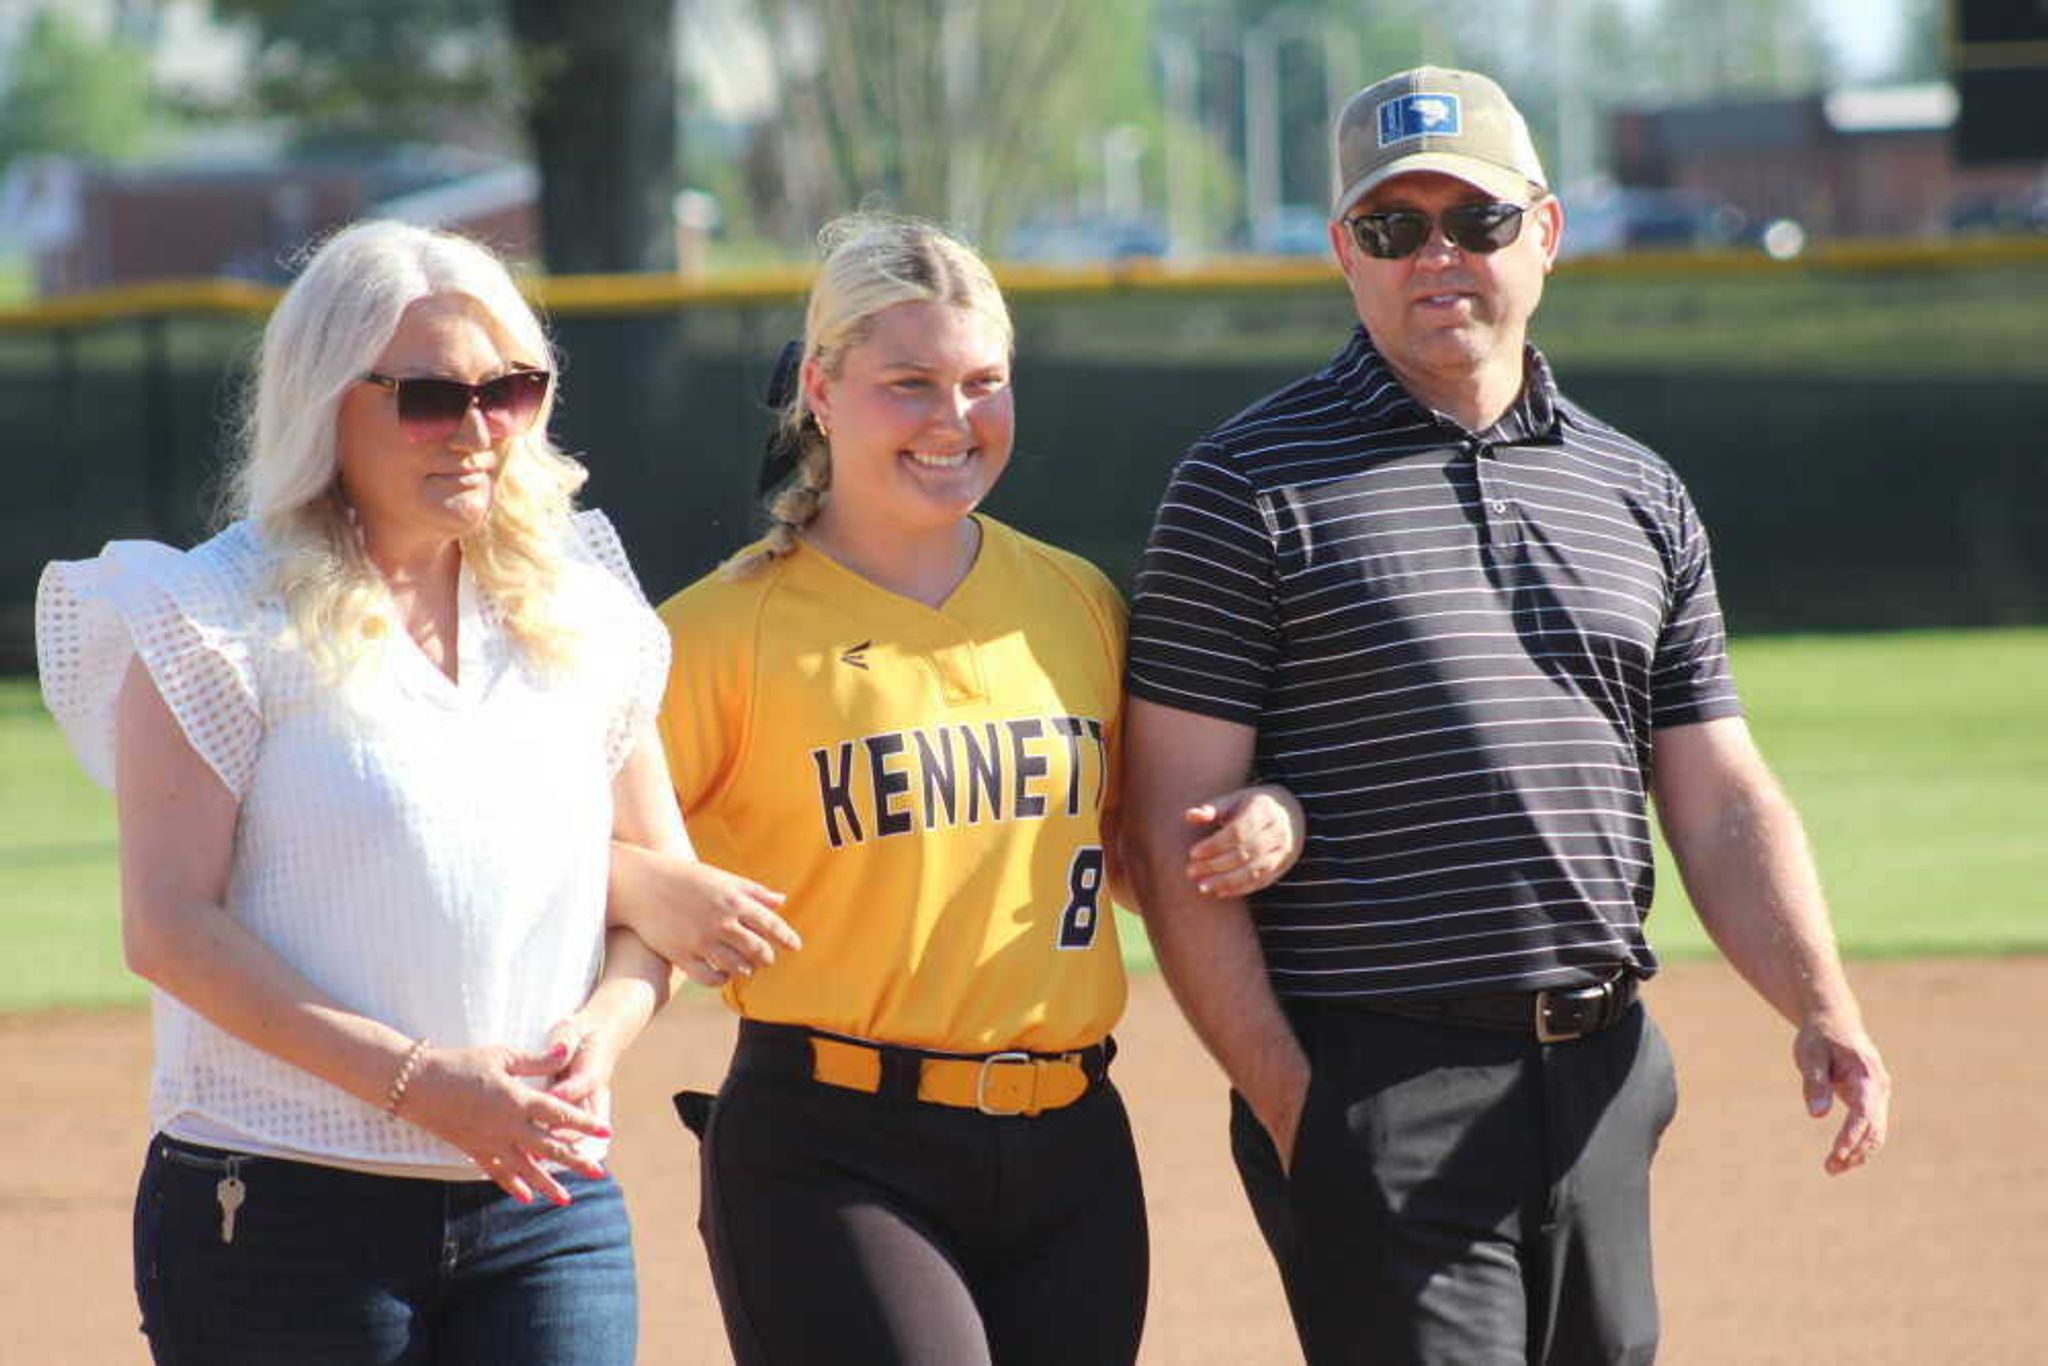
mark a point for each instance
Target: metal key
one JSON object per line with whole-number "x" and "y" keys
{"x": 231, "y": 1193}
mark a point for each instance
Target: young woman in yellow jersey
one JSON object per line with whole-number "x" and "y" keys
{"x": 903, "y": 716}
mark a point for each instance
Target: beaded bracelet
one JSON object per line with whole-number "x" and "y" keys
{"x": 406, "y": 1070}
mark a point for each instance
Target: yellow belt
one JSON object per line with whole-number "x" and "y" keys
{"x": 999, "y": 1084}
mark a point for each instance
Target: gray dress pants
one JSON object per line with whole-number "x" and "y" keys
{"x": 1466, "y": 1197}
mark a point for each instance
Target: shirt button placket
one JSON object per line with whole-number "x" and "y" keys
{"x": 1483, "y": 480}
{"x": 1502, "y": 528}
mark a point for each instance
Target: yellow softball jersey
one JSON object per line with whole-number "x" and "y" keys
{"x": 926, "y": 784}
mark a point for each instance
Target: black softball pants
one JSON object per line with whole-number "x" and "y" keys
{"x": 847, "y": 1227}
{"x": 1461, "y": 1197}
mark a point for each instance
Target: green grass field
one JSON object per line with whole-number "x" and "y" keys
{"x": 59, "y": 913}
{"x": 1920, "y": 762}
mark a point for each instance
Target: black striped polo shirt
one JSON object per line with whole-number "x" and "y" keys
{"x": 1455, "y": 648}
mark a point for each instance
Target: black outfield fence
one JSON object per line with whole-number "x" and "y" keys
{"x": 1864, "y": 436}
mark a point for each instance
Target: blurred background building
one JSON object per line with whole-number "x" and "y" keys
{"x": 146, "y": 139}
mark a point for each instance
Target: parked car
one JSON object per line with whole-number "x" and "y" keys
{"x": 1990, "y": 214}
{"x": 1293, "y": 230}
{"x": 1631, "y": 218}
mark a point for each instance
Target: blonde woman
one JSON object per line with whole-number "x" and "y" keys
{"x": 370, "y": 745}
{"x": 904, "y": 715}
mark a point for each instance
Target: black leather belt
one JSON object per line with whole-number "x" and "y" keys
{"x": 1557, "y": 1015}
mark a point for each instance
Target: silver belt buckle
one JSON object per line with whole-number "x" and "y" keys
{"x": 1544, "y": 1033}
{"x": 1011, "y": 1059}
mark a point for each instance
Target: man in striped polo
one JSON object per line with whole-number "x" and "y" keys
{"x": 1474, "y": 628}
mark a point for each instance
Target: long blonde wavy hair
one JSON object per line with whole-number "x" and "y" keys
{"x": 872, "y": 261}
{"x": 329, "y": 328}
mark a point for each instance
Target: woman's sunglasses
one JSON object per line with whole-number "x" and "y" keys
{"x": 432, "y": 409}
{"x": 1481, "y": 228}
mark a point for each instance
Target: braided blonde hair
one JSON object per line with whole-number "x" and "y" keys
{"x": 872, "y": 261}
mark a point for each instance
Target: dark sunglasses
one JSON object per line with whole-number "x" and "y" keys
{"x": 432, "y": 409}
{"x": 1481, "y": 228}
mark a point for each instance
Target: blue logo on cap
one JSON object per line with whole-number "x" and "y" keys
{"x": 1414, "y": 116}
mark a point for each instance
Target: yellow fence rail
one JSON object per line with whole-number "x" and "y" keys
{"x": 606, "y": 295}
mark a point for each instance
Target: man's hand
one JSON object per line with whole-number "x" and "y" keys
{"x": 1279, "y": 1109}
{"x": 1836, "y": 1059}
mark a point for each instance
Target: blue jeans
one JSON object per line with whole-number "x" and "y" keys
{"x": 332, "y": 1266}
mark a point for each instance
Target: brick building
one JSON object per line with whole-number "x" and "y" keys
{"x": 1852, "y": 163}
{"x": 246, "y": 218}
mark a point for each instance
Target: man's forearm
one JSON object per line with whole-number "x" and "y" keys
{"x": 1211, "y": 959}
{"x": 1177, "y": 761}
{"x": 1745, "y": 860}
{"x": 1752, "y": 880}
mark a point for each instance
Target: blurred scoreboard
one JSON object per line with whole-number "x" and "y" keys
{"x": 1998, "y": 55}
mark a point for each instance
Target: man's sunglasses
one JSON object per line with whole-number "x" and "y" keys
{"x": 432, "y": 409}
{"x": 1481, "y": 228}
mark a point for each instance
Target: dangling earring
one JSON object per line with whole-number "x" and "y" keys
{"x": 819, "y": 423}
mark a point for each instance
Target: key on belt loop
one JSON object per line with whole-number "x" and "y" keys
{"x": 1011, "y": 1059}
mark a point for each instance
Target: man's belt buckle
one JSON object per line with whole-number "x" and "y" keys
{"x": 1593, "y": 997}
{"x": 981, "y": 1080}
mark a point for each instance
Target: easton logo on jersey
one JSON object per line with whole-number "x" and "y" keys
{"x": 937, "y": 777}
{"x": 856, "y": 655}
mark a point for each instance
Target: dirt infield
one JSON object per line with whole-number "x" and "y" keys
{"x": 1935, "y": 1255}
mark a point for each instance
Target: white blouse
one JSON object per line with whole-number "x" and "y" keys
{"x": 431, "y": 853}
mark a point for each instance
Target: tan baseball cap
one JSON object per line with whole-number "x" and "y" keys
{"x": 1457, "y": 123}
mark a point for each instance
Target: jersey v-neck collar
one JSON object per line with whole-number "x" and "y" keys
{"x": 945, "y": 637}
{"x": 958, "y": 604}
